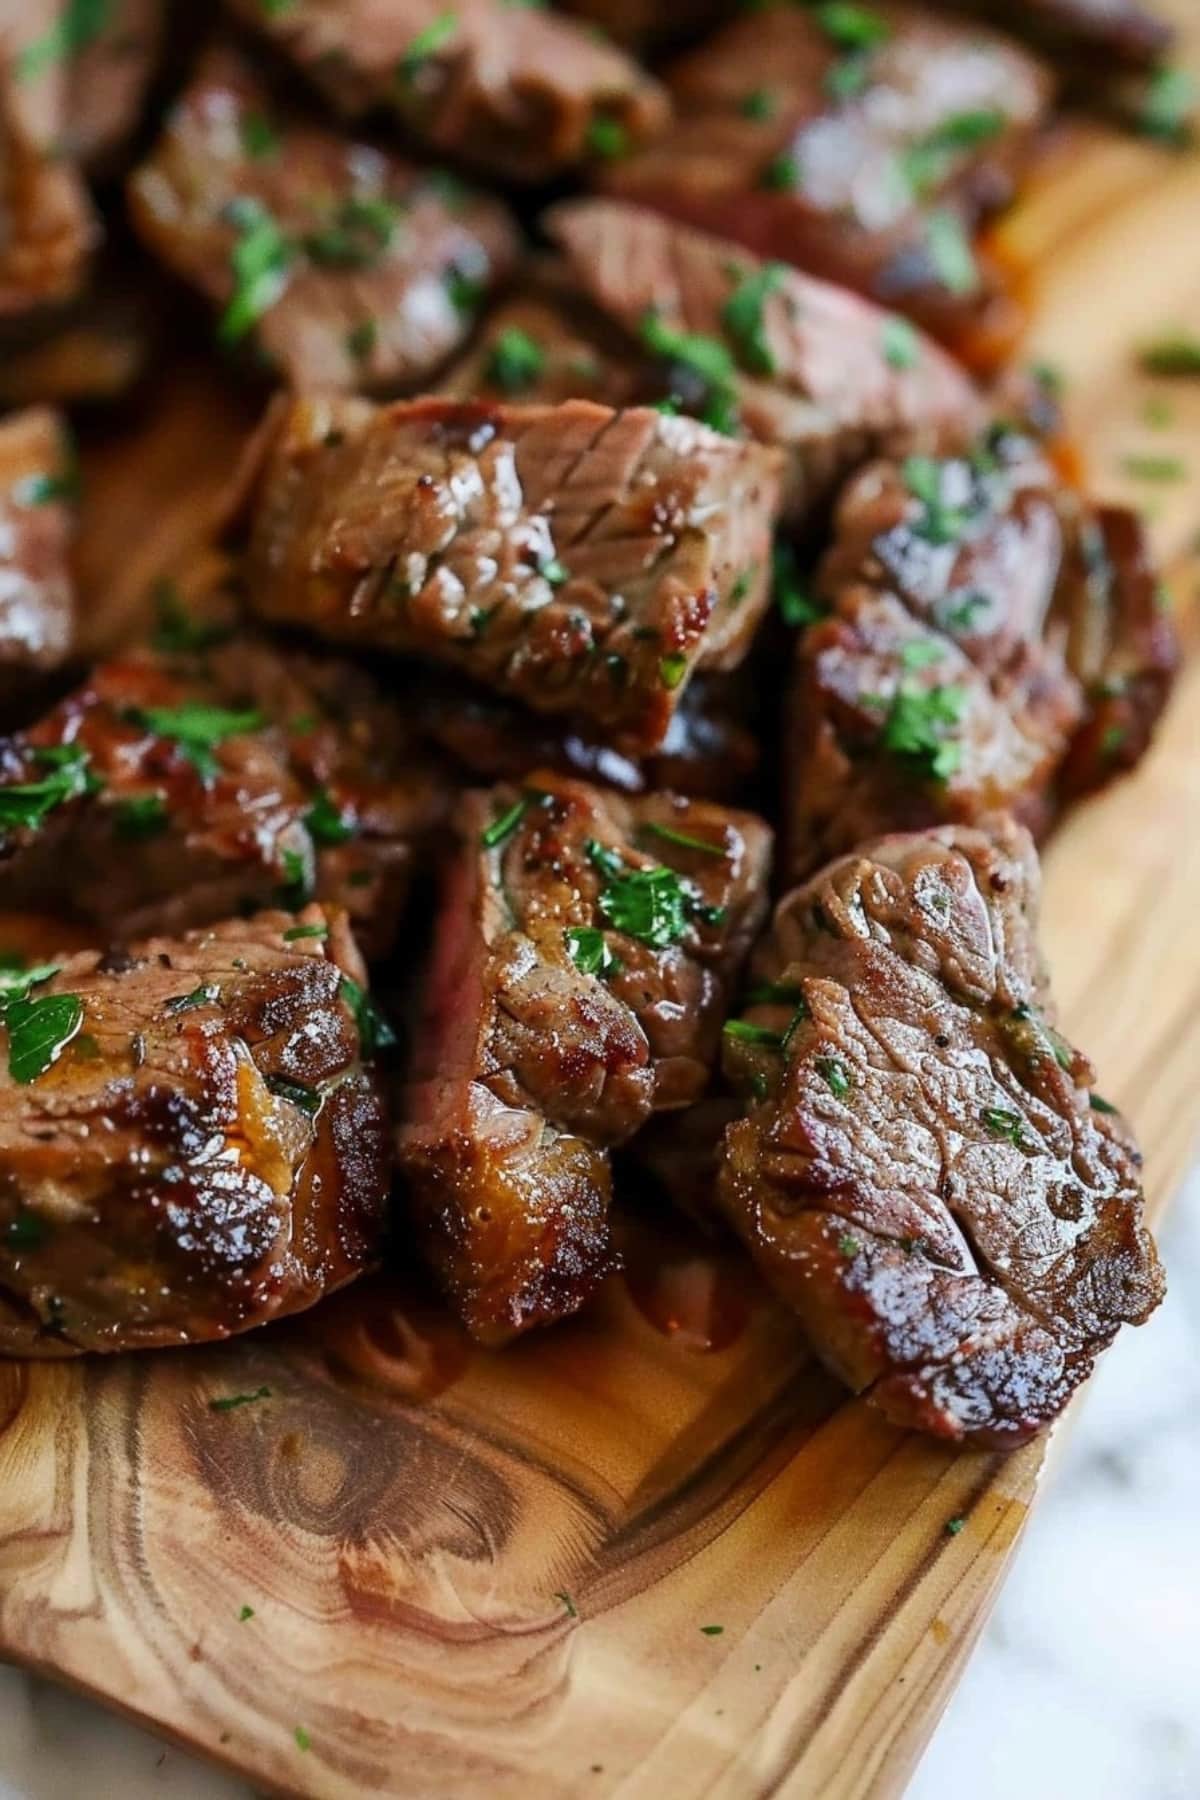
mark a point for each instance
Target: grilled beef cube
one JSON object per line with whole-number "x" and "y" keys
{"x": 923, "y": 1171}
{"x": 791, "y": 360}
{"x": 585, "y": 954}
{"x": 710, "y": 750}
{"x": 514, "y": 91}
{"x": 1121, "y": 643}
{"x": 346, "y": 267}
{"x": 646, "y": 22}
{"x": 183, "y": 784}
{"x": 192, "y": 1142}
{"x": 581, "y": 560}
{"x": 37, "y": 525}
{"x": 985, "y": 652}
{"x": 865, "y": 149}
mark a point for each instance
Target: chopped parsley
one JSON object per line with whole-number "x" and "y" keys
{"x": 796, "y": 605}
{"x": 515, "y": 362}
{"x": 849, "y": 1246}
{"x": 27, "y": 804}
{"x": 1155, "y": 468}
{"x": 672, "y": 669}
{"x": 141, "y": 816}
{"x": 204, "y": 995}
{"x": 652, "y": 905}
{"x": 1168, "y": 106}
{"x": 774, "y": 993}
{"x": 589, "y": 952}
{"x": 246, "y": 1612}
{"x": 261, "y": 261}
{"x": 962, "y": 613}
{"x": 712, "y": 1630}
{"x": 918, "y": 724}
{"x": 783, "y": 173}
{"x": 684, "y": 839}
{"x": 425, "y": 44}
{"x": 39, "y": 1030}
{"x": 759, "y": 103}
{"x": 743, "y": 1032}
{"x": 259, "y": 137}
{"x": 950, "y": 253}
{"x": 608, "y": 138}
{"x": 1006, "y": 1125}
{"x": 553, "y": 571}
{"x": 835, "y": 1075}
{"x": 919, "y": 653}
{"x": 705, "y": 359}
{"x": 1099, "y": 1104}
{"x": 197, "y": 729}
{"x": 79, "y": 24}
{"x": 926, "y": 164}
{"x": 899, "y": 342}
{"x": 357, "y": 233}
{"x": 306, "y": 1099}
{"x": 568, "y": 1604}
{"x": 1175, "y": 353}
{"x": 941, "y": 522}
{"x": 742, "y": 317}
{"x": 361, "y": 340}
{"x": 502, "y": 828}
{"x": 327, "y": 823}
{"x": 230, "y": 1402}
{"x": 175, "y": 630}
{"x": 294, "y": 933}
{"x": 303, "y": 1740}
{"x": 374, "y": 1031}
{"x": 954, "y": 1526}
{"x": 851, "y": 27}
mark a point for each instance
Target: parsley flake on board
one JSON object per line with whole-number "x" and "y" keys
{"x": 1175, "y": 353}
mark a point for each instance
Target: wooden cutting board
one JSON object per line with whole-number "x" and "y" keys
{"x": 623, "y": 1558}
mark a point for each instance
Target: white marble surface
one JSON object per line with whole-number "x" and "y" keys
{"x": 1087, "y": 1681}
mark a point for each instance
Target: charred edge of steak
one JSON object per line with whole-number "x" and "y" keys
{"x": 584, "y": 956}
{"x": 191, "y": 1140}
{"x": 924, "y": 1170}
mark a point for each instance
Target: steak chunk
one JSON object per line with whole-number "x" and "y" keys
{"x": 191, "y": 1142}
{"x": 211, "y": 773}
{"x": 788, "y": 359}
{"x": 37, "y": 525}
{"x": 374, "y": 270}
{"x": 581, "y": 560}
{"x": 985, "y": 651}
{"x": 585, "y": 954}
{"x": 513, "y": 90}
{"x": 865, "y": 149}
{"x": 83, "y": 70}
{"x": 923, "y": 1171}
{"x": 47, "y": 226}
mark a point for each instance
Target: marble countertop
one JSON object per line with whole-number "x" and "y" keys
{"x": 1087, "y": 1680}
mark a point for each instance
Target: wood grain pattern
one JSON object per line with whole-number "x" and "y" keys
{"x": 473, "y": 1573}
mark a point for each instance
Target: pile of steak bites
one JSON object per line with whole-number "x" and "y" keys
{"x": 618, "y": 708}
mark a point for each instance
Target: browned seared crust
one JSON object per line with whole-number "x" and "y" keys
{"x": 309, "y": 783}
{"x": 540, "y": 1049}
{"x": 207, "y": 1152}
{"x": 384, "y": 265}
{"x": 581, "y": 560}
{"x": 513, "y": 90}
{"x": 843, "y": 160}
{"x": 923, "y": 1171}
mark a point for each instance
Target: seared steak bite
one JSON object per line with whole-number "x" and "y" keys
{"x": 212, "y": 773}
{"x": 581, "y": 560}
{"x": 346, "y": 267}
{"x": 585, "y": 956}
{"x": 984, "y": 651}
{"x": 760, "y": 347}
{"x": 513, "y": 90}
{"x": 866, "y": 149}
{"x": 37, "y": 525}
{"x": 923, "y": 1171}
{"x": 83, "y": 70}
{"x": 47, "y": 226}
{"x": 191, "y": 1139}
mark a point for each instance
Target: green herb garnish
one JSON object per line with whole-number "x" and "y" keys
{"x": 306, "y": 1099}
{"x": 950, "y": 252}
{"x": 261, "y": 261}
{"x": 39, "y": 1031}
{"x": 328, "y": 824}
{"x": 515, "y": 362}
{"x": 197, "y": 729}
{"x": 742, "y": 317}
{"x": 503, "y": 827}
{"x": 425, "y": 44}
{"x": 357, "y": 233}
{"x": 651, "y": 905}
{"x": 607, "y": 138}
{"x": 743, "y": 1032}
{"x": 899, "y": 342}
{"x": 835, "y": 1075}
{"x": 374, "y": 1031}
{"x": 140, "y": 817}
{"x": 918, "y": 724}
{"x": 1169, "y": 103}
{"x": 79, "y": 24}
{"x": 683, "y": 839}
{"x": 1007, "y": 1125}
{"x": 230, "y": 1402}
{"x": 27, "y": 804}
{"x": 1175, "y": 353}
{"x": 295, "y": 933}
{"x": 204, "y": 995}
{"x": 589, "y": 952}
